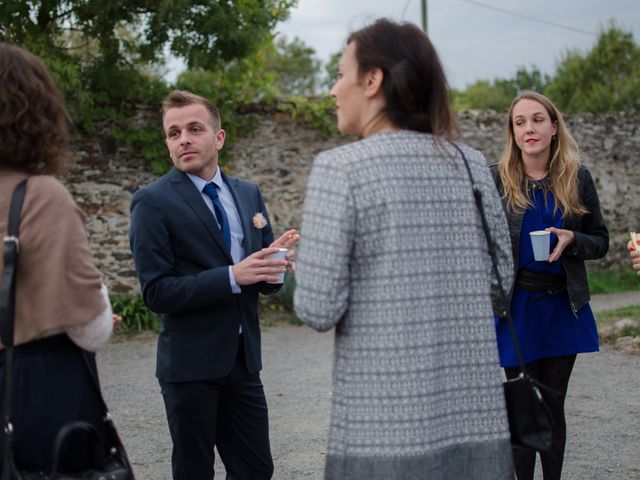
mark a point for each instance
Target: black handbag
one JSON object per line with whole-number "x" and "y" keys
{"x": 531, "y": 422}
{"x": 114, "y": 465}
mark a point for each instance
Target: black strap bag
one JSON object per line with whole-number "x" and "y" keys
{"x": 531, "y": 422}
{"x": 114, "y": 465}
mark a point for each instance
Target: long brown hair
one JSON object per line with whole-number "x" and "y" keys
{"x": 34, "y": 122}
{"x": 564, "y": 163}
{"x": 414, "y": 85}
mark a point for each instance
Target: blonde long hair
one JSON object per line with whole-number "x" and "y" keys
{"x": 564, "y": 163}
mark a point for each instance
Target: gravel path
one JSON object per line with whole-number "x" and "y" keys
{"x": 614, "y": 300}
{"x": 603, "y": 406}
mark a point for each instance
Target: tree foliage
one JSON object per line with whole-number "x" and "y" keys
{"x": 607, "y": 78}
{"x": 238, "y": 83}
{"x": 104, "y": 52}
{"x": 203, "y": 32}
{"x": 498, "y": 94}
{"x": 331, "y": 70}
{"x": 278, "y": 69}
{"x": 483, "y": 94}
{"x": 294, "y": 66}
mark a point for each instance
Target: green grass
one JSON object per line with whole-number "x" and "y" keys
{"x": 613, "y": 281}
{"x": 606, "y": 319}
{"x": 608, "y": 316}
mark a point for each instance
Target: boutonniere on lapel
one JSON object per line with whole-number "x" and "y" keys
{"x": 259, "y": 221}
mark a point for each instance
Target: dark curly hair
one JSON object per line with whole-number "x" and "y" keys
{"x": 34, "y": 121}
{"x": 415, "y": 88}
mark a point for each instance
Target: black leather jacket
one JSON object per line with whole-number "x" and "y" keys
{"x": 592, "y": 241}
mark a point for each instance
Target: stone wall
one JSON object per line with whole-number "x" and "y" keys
{"x": 278, "y": 155}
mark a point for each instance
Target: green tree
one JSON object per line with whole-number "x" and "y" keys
{"x": 498, "y": 93}
{"x": 103, "y": 52}
{"x": 331, "y": 70}
{"x": 485, "y": 94}
{"x": 294, "y": 66}
{"x": 254, "y": 79}
{"x": 532, "y": 79}
{"x": 231, "y": 87}
{"x": 607, "y": 78}
{"x": 203, "y": 32}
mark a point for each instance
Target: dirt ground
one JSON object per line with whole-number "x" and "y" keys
{"x": 603, "y": 407}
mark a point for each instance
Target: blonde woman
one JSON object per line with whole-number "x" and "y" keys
{"x": 544, "y": 187}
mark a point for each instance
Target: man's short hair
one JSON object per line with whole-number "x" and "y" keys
{"x": 183, "y": 98}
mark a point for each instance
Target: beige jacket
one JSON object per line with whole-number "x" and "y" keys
{"x": 58, "y": 286}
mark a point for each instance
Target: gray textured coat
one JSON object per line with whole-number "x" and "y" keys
{"x": 393, "y": 256}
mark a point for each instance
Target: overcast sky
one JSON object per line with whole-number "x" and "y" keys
{"x": 474, "y": 41}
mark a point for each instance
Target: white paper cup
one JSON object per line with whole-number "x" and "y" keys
{"x": 540, "y": 241}
{"x": 279, "y": 256}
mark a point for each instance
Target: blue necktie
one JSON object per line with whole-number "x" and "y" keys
{"x": 211, "y": 191}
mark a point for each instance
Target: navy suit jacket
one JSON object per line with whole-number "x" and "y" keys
{"x": 182, "y": 264}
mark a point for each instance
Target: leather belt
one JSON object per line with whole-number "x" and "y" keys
{"x": 540, "y": 282}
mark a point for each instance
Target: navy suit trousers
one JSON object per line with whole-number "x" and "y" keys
{"x": 229, "y": 413}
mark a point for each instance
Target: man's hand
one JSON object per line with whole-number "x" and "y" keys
{"x": 565, "y": 238}
{"x": 287, "y": 240}
{"x": 256, "y": 268}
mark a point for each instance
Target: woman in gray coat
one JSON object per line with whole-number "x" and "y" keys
{"x": 394, "y": 257}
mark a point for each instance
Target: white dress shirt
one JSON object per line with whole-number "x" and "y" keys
{"x": 226, "y": 199}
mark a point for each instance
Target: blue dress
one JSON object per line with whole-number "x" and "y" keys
{"x": 546, "y": 325}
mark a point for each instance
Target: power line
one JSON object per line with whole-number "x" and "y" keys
{"x": 404, "y": 10}
{"x": 529, "y": 17}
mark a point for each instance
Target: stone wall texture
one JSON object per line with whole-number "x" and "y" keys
{"x": 277, "y": 157}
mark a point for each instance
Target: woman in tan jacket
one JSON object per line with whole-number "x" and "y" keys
{"x": 62, "y": 307}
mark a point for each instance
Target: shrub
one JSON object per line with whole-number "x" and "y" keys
{"x": 136, "y": 317}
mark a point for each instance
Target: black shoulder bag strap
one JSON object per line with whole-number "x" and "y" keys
{"x": 7, "y": 314}
{"x": 477, "y": 194}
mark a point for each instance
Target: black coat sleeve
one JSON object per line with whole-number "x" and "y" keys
{"x": 592, "y": 236}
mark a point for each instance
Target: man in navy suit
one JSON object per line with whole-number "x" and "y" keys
{"x": 200, "y": 241}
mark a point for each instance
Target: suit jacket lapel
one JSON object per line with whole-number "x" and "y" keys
{"x": 187, "y": 190}
{"x": 244, "y": 215}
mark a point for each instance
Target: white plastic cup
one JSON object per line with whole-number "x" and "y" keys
{"x": 540, "y": 241}
{"x": 279, "y": 256}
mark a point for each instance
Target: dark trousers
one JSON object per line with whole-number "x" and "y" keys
{"x": 555, "y": 373}
{"x": 229, "y": 413}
